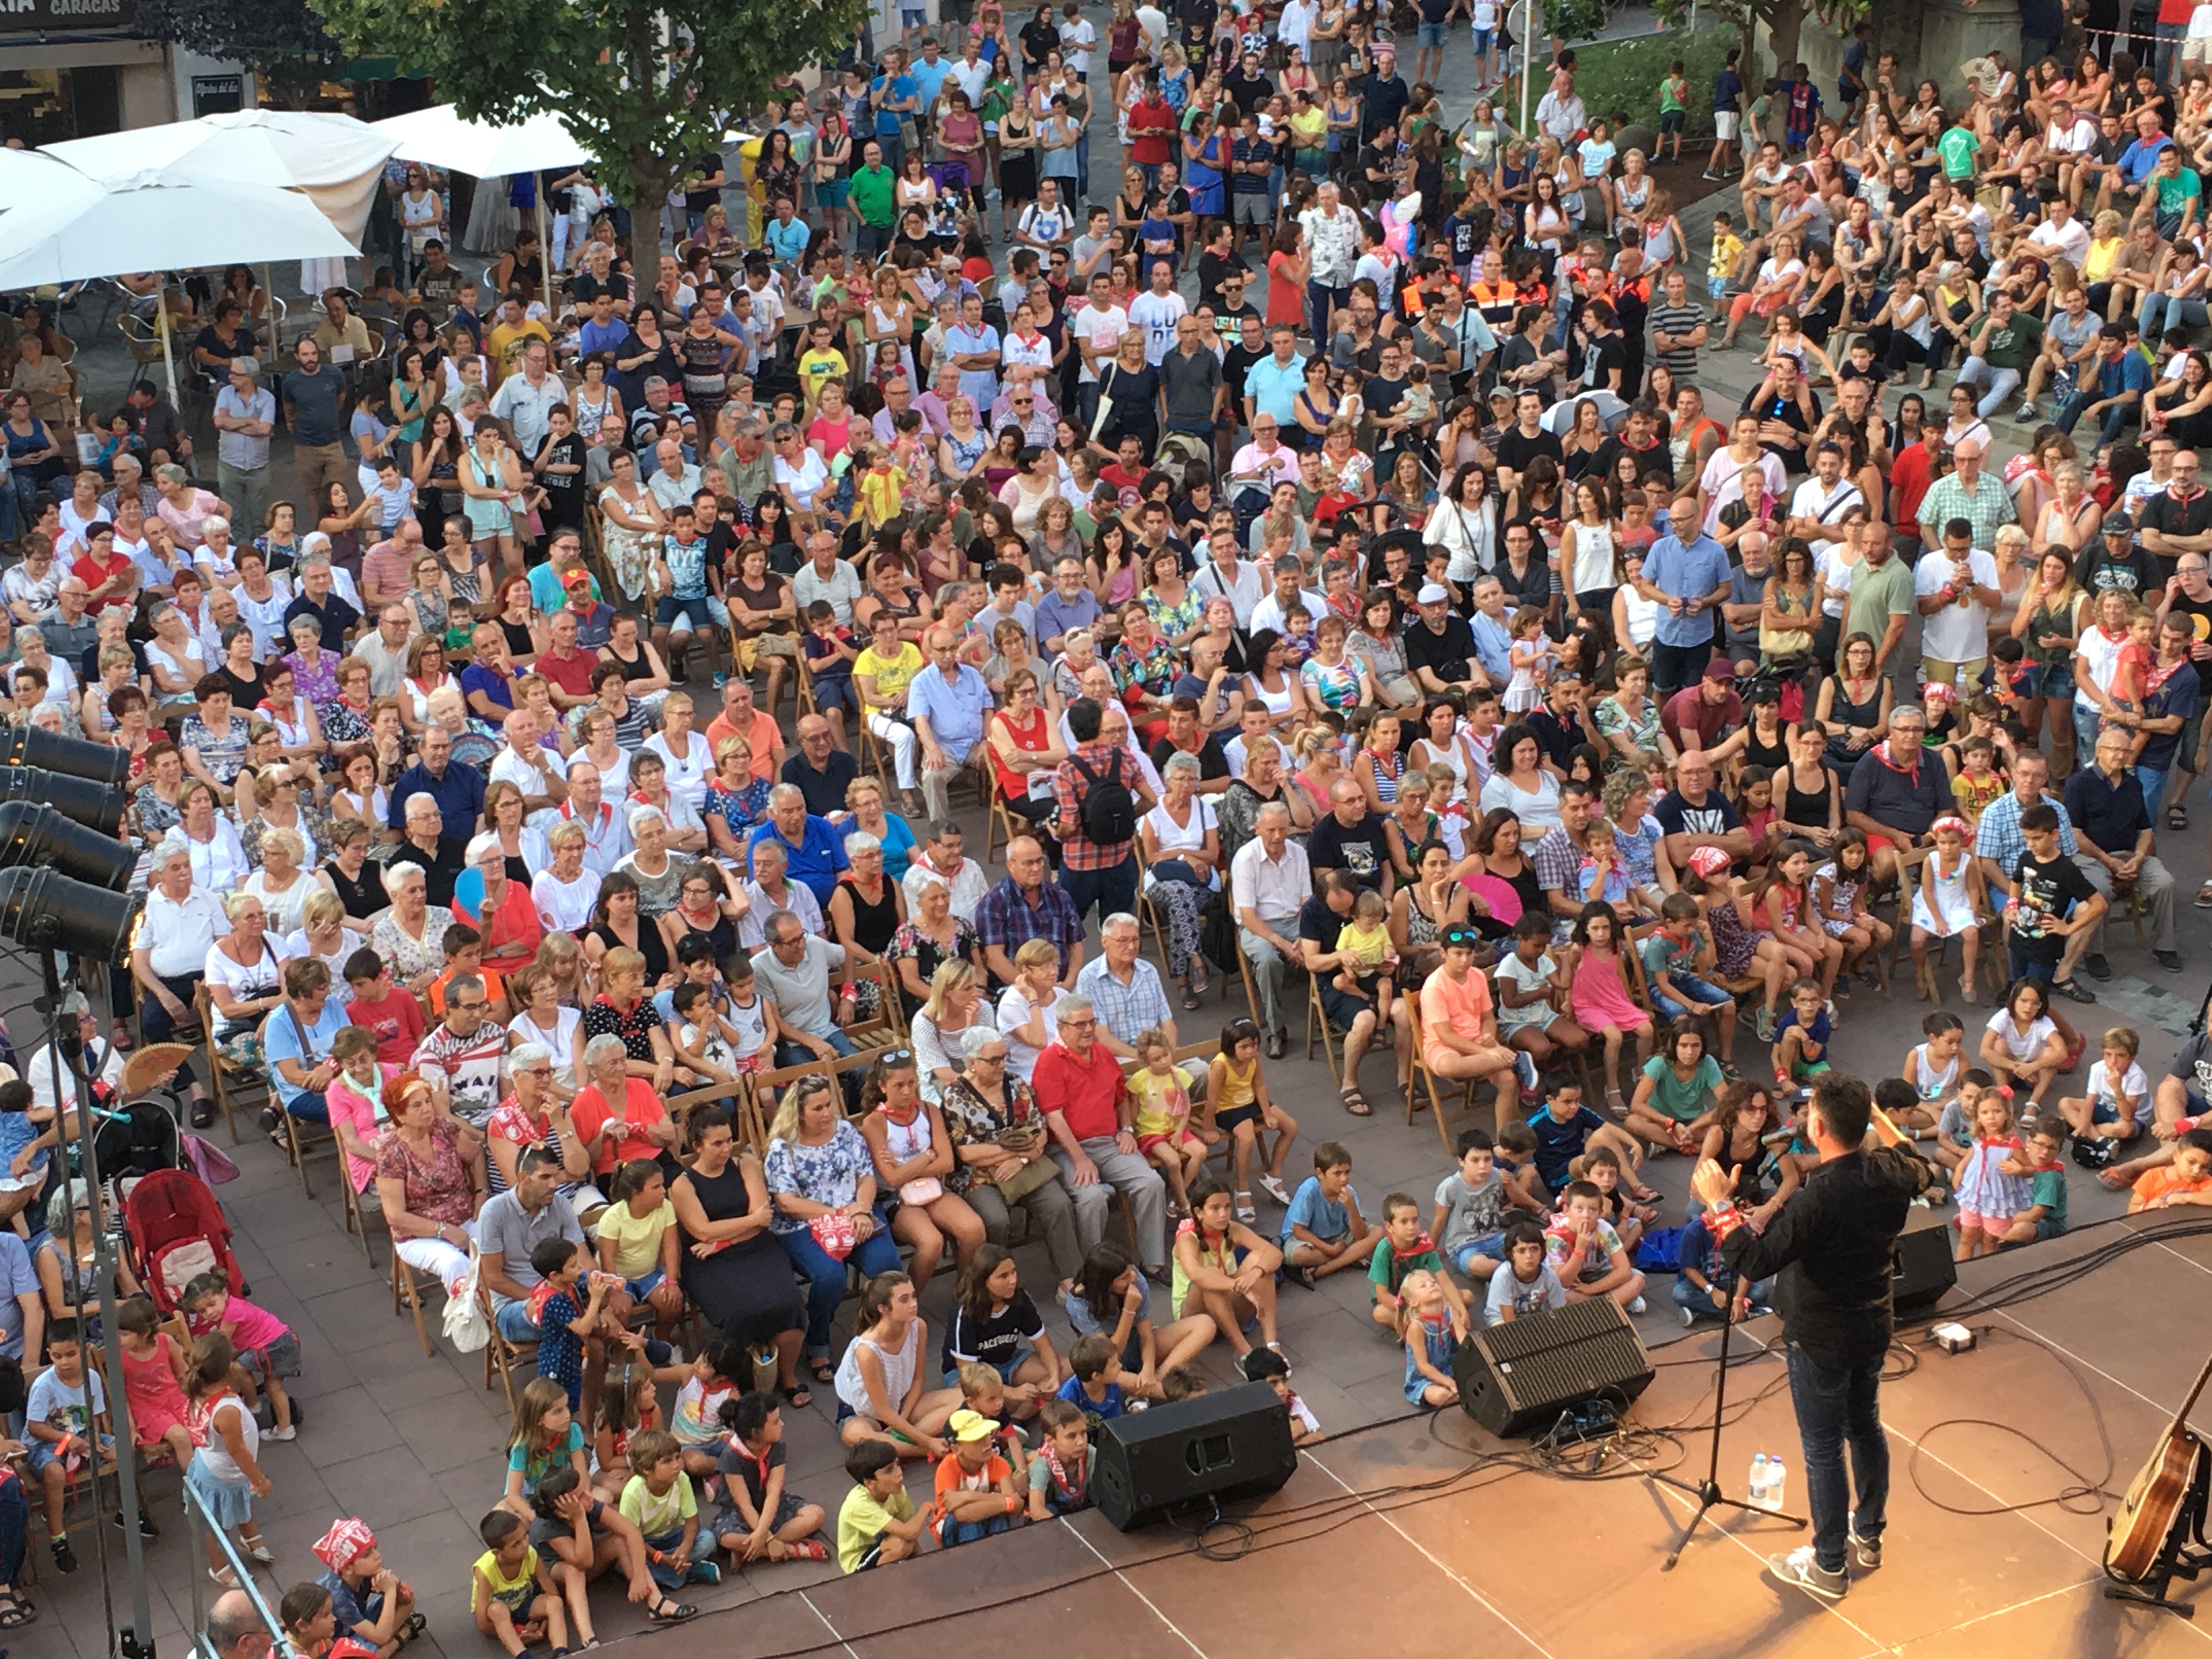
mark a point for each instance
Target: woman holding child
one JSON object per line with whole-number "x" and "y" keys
{"x": 732, "y": 1266}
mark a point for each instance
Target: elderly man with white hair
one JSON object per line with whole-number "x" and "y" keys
{"x": 168, "y": 957}
{"x": 793, "y": 967}
{"x": 769, "y": 889}
{"x": 1269, "y": 880}
{"x": 1090, "y": 1115}
{"x": 540, "y": 772}
{"x": 813, "y": 851}
{"x": 606, "y": 831}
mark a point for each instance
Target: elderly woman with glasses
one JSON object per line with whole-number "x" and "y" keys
{"x": 999, "y": 1140}
{"x": 507, "y": 916}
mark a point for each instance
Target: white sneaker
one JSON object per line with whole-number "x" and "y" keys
{"x": 288, "y": 1432}
{"x": 1636, "y": 1306}
{"x": 1802, "y": 1568}
{"x": 1689, "y": 1319}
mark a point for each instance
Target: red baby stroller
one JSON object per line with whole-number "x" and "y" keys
{"x": 177, "y": 1231}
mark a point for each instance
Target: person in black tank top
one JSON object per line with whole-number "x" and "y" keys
{"x": 1813, "y": 807}
{"x": 362, "y": 892}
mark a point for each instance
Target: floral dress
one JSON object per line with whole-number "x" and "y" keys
{"x": 630, "y": 552}
{"x": 1155, "y": 672}
{"x": 1733, "y": 945}
{"x": 912, "y": 943}
{"x": 317, "y": 682}
{"x": 437, "y": 1188}
{"x": 969, "y": 1121}
{"x": 741, "y": 809}
{"x": 828, "y": 1173}
{"x": 1641, "y": 729}
{"x": 1173, "y": 620}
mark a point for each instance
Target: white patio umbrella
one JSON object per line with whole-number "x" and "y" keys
{"x": 439, "y": 137}
{"x": 60, "y": 226}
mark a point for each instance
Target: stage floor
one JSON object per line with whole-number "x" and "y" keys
{"x": 1503, "y": 1563}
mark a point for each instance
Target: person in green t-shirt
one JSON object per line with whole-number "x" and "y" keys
{"x": 1957, "y": 148}
{"x": 2045, "y": 1215}
{"x": 2005, "y": 344}
{"x": 1404, "y": 1248}
{"x": 1880, "y": 597}
{"x": 1674, "y": 109}
{"x": 2178, "y": 192}
{"x": 873, "y": 184}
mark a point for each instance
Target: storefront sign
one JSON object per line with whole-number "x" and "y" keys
{"x": 217, "y": 94}
{"x": 61, "y": 16}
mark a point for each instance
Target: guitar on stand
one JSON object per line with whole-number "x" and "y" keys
{"x": 2159, "y": 1533}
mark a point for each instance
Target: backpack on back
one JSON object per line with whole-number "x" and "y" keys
{"x": 1110, "y": 812}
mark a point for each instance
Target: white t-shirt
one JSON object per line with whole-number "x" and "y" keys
{"x": 1815, "y": 500}
{"x": 2102, "y": 654}
{"x": 1526, "y": 977}
{"x": 2134, "y": 1086}
{"x": 1157, "y": 315}
{"x": 2022, "y": 1048}
{"x": 1174, "y": 838}
{"x": 1103, "y": 330}
{"x": 1076, "y": 41}
{"x": 244, "y": 981}
{"x": 1154, "y": 23}
{"x": 2070, "y": 240}
{"x": 806, "y": 480}
{"x": 1014, "y": 1010}
{"x": 1957, "y": 633}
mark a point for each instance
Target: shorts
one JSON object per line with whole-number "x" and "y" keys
{"x": 1341, "y": 1007}
{"x": 2048, "y": 680}
{"x": 914, "y": 17}
{"x": 1996, "y": 1226}
{"x": 1006, "y": 1368}
{"x": 1673, "y": 121}
{"x": 2196, "y": 50}
{"x": 1430, "y": 34}
{"x": 1703, "y": 997}
{"x": 1803, "y": 1069}
{"x": 641, "y": 1288}
{"x": 1487, "y": 1244}
{"x": 1236, "y": 1117}
{"x": 1251, "y": 208}
{"x": 42, "y": 1452}
{"x": 1145, "y": 1143}
{"x": 1483, "y": 38}
{"x": 279, "y": 1360}
{"x": 832, "y": 192}
{"x": 2103, "y": 1111}
{"x": 1716, "y": 288}
{"x": 728, "y": 1524}
{"x": 835, "y": 694}
{"x": 1724, "y": 124}
{"x": 692, "y": 614}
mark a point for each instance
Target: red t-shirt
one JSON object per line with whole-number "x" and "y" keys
{"x": 1151, "y": 122}
{"x": 396, "y": 1020}
{"x": 1088, "y": 1097}
{"x": 92, "y": 572}
{"x": 641, "y": 1107}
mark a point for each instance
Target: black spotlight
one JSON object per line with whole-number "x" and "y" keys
{"x": 73, "y": 758}
{"x": 98, "y": 806}
{"x": 46, "y": 911}
{"x": 33, "y": 835}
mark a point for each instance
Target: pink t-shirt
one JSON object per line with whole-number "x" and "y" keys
{"x": 250, "y": 1327}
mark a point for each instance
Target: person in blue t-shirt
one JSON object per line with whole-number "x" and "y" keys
{"x": 2113, "y": 392}
{"x": 1728, "y": 112}
{"x": 1323, "y": 1231}
{"x": 1566, "y": 1128}
{"x": 1801, "y": 1037}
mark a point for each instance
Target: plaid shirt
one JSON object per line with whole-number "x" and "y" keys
{"x": 1557, "y": 863}
{"x": 1997, "y": 837}
{"x": 1989, "y": 509}
{"x": 1004, "y": 918}
{"x": 1125, "y": 1010}
{"x": 1078, "y": 851}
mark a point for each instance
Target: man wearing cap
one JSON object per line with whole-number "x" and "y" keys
{"x": 1274, "y": 611}
{"x": 1440, "y": 646}
{"x": 245, "y": 415}
{"x": 1688, "y": 581}
{"x": 1696, "y": 716}
{"x": 1269, "y": 881}
{"x": 1956, "y": 589}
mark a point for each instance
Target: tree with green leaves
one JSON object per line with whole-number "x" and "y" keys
{"x": 648, "y": 85}
{"x": 283, "y": 43}
{"x": 1784, "y": 21}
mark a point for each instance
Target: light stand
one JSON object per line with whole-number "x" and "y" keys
{"x": 1708, "y": 1491}
{"x": 43, "y": 933}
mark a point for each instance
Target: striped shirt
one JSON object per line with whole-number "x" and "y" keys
{"x": 1684, "y": 318}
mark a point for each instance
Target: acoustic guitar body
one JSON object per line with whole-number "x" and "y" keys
{"x": 2139, "y": 1532}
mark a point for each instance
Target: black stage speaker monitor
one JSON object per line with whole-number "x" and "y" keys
{"x": 1517, "y": 1378}
{"x": 1921, "y": 1269}
{"x": 1224, "y": 1446}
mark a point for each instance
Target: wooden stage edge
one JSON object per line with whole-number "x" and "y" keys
{"x": 1421, "y": 1534}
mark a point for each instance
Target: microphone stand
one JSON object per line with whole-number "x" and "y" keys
{"x": 1708, "y": 1491}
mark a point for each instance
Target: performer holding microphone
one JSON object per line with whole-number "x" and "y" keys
{"x": 1831, "y": 1245}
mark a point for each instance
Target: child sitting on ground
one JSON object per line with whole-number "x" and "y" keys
{"x": 1323, "y": 1231}
{"x": 512, "y": 1596}
{"x": 1431, "y": 1333}
{"x": 761, "y": 1519}
{"x": 2117, "y": 1103}
{"x": 2046, "y": 1214}
{"x": 1094, "y": 1387}
{"x": 1059, "y": 1478}
{"x": 696, "y": 1420}
{"x": 1935, "y": 1068}
{"x": 2186, "y": 1180}
{"x": 1404, "y": 1249}
{"x": 1525, "y": 1283}
{"x": 1181, "y": 1382}
{"x": 976, "y": 1494}
{"x": 984, "y": 1392}
{"x": 1565, "y": 1129}
{"x": 1706, "y": 1286}
{"x": 1515, "y": 1158}
{"x": 878, "y": 1522}
{"x": 268, "y": 1351}
{"x": 1588, "y": 1254}
{"x": 1266, "y": 1365}
{"x": 659, "y": 1502}
{"x": 1602, "y": 1169}
{"x": 1473, "y": 1209}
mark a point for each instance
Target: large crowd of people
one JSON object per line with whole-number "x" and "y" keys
{"x": 1380, "y": 618}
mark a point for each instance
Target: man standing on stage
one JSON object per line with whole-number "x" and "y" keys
{"x": 1831, "y": 1245}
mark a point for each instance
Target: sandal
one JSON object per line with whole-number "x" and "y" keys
{"x": 1356, "y": 1104}
{"x": 13, "y": 1613}
{"x": 2177, "y": 817}
{"x": 796, "y": 1395}
{"x": 412, "y": 1626}
{"x": 2204, "y": 896}
{"x": 666, "y": 1611}
{"x": 821, "y": 1370}
{"x": 1190, "y": 1002}
{"x": 809, "y": 1549}
{"x": 1245, "y": 1212}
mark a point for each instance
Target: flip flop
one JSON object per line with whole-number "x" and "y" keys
{"x": 1355, "y": 1102}
{"x": 2177, "y": 817}
{"x": 2113, "y": 1179}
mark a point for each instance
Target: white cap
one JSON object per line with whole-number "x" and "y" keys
{"x": 1433, "y": 594}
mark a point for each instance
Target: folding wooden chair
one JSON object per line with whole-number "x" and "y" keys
{"x": 356, "y": 1212}
{"x": 503, "y": 1357}
{"x": 232, "y": 1085}
{"x": 407, "y": 1297}
{"x": 1424, "y": 1078}
{"x": 1318, "y": 1024}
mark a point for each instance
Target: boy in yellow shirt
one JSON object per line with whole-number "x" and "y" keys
{"x": 876, "y": 1522}
{"x": 1728, "y": 248}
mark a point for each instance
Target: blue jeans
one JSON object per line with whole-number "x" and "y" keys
{"x": 1111, "y": 889}
{"x": 1699, "y": 1302}
{"x": 2112, "y": 423}
{"x": 1703, "y": 998}
{"x": 1833, "y": 1407}
{"x": 2043, "y": 973}
{"x": 15, "y": 1530}
{"x": 513, "y": 1319}
{"x": 1321, "y": 300}
{"x": 798, "y": 1054}
{"x": 951, "y": 1533}
{"x": 825, "y": 1274}
{"x": 2153, "y": 779}
{"x": 2085, "y": 717}
{"x": 2176, "y": 313}
{"x": 308, "y": 1106}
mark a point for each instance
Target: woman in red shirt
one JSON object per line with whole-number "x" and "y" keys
{"x": 508, "y": 915}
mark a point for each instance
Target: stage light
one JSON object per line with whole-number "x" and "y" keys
{"x": 71, "y": 757}
{"x": 33, "y": 836}
{"x": 97, "y": 806}
{"x": 46, "y": 911}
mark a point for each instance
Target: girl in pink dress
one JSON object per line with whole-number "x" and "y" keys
{"x": 1600, "y": 980}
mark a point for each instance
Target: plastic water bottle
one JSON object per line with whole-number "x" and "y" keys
{"x": 1777, "y": 1483}
{"x": 1757, "y": 1492}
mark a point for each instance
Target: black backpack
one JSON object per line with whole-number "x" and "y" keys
{"x": 1110, "y": 812}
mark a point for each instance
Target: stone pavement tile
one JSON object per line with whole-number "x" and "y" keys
{"x": 392, "y": 1484}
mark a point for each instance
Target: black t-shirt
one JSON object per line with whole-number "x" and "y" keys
{"x": 2199, "y": 612}
{"x": 586, "y": 287}
{"x": 769, "y": 595}
{"x": 244, "y": 692}
{"x": 2134, "y": 573}
{"x": 994, "y": 1340}
{"x": 1791, "y": 414}
{"x": 1363, "y": 850}
{"x": 1515, "y": 450}
{"x": 824, "y": 790}
{"x": 1249, "y": 96}
{"x": 1446, "y": 653}
{"x": 704, "y": 167}
{"x": 1601, "y": 358}
{"x": 439, "y": 873}
{"x": 1657, "y": 459}
{"x": 1212, "y": 267}
{"x": 1212, "y": 762}
{"x": 2043, "y": 890}
{"x": 564, "y": 491}
{"x": 1237, "y": 363}
{"x": 2172, "y": 517}
{"x": 1320, "y": 924}
{"x": 755, "y": 1472}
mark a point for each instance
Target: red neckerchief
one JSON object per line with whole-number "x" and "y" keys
{"x": 1880, "y": 753}
{"x": 2156, "y": 679}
